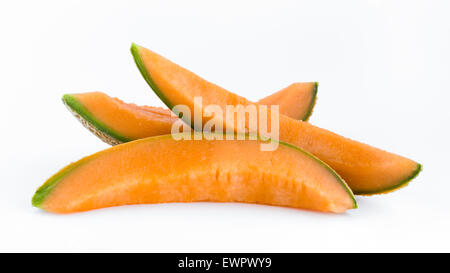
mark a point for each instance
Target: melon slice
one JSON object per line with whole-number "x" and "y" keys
{"x": 115, "y": 121}
{"x": 367, "y": 170}
{"x": 160, "y": 169}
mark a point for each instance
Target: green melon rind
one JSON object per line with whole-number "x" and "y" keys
{"x": 45, "y": 190}
{"x": 312, "y": 103}
{"x": 401, "y": 184}
{"x": 159, "y": 93}
{"x": 79, "y": 108}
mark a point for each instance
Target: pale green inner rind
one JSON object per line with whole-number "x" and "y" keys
{"x": 138, "y": 60}
{"x": 79, "y": 108}
{"x": 396, "y": 186}
{"x": 312, "y": 103}
{"x": 44, "y": 191}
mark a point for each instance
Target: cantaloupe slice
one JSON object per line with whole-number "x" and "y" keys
{"x": 367, "y": 170}
{"x": 161, "y": 169}
{"x": 115, "y": 121}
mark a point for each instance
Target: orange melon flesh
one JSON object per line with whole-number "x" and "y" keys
{"x": 161, "y": 169}
{"x": 115, "y": 121}
{"x": 366, "y": 169}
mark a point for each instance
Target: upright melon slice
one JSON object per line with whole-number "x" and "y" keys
{"x": 115, "y": 121}
{"x": 366, "y": 169}
{"x": 161, "y": 169}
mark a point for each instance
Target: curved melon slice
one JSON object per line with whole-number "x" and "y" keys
{"x": 296, "y": 101}
{"x": 161, "y": 169}
{"x": 366, "y": 169}
{"x": 115, "y": 121}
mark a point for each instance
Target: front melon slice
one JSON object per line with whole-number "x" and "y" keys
{"x": 115, "y": 121}
{"x": 161, "y": 169}
{"x": 366, "y": 169}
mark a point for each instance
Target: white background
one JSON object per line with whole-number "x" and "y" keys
{"x": 383, "y": 68}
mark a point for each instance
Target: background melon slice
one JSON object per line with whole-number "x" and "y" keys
{"x": 115, "y": 121}
{"x": 161, "y": 169}
{"x": 366, "y": 169}
{"x": 296, "y": 101}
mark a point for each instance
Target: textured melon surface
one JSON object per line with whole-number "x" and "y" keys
{"x": 115, "y": 121}
{"x": 161, "y": 169}
{"x": 366, "y": 169}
